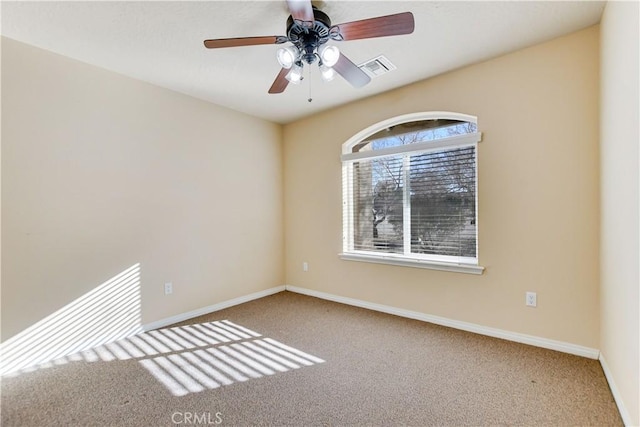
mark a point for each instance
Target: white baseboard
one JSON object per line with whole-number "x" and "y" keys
{"x": 624, "y": 414}
{"x": 564, "y": 347}
{"x": 561, "y": 346}
{"x": 211, "y": 308}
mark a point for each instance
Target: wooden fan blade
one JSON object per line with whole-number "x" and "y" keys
{"x": 301, "y": 10}
{"x": 280, "y": 83}
{"x": 390, "y": 25}
{"x": 242, "y": 41}
{"x": 351, "y": 72}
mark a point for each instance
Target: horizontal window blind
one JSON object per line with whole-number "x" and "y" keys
{"x": 378, "y": 205}
{"x": 443, "y": 203}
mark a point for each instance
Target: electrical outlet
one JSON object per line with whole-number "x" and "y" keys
{"x": 531, "y": 299}
{"x": 168, "y": 288}
{"x": 305, "y": 266}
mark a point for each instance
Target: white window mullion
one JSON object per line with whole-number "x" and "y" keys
{"x": 347, "y": 208}
{"x": 406, "y": 202}
{"x": 475, "y": 155}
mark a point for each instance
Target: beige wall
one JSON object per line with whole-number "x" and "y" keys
{"x": 538, "y": 195}
{"x": 620, "y": 249}
{"x": 100, "y": 172}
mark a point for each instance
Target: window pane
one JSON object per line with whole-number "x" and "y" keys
{"x": 443, "y": 203}
{"x": 377, "y": 205}
{"x": 412, "y": 132}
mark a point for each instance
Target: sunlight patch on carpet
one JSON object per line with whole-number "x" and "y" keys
{"x": 198, "y": 357}
{"x": 215, "y": 354}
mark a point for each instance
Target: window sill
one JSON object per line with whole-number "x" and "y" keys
{"x": 407, "y": 262}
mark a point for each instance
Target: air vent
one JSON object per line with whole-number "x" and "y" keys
{"x": 377, "y": 66}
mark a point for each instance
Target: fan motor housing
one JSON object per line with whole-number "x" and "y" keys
{"x": 307, "y": 38}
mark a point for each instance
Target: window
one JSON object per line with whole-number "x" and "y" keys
{"x": 410, "y": 192}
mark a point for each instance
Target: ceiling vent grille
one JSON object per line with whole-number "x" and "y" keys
{"x": 377, "y": 66}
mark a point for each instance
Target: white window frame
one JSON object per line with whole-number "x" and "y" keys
{"x": 436, "y": 262}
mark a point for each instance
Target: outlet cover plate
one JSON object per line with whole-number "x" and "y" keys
{"x": 531, "y": 299}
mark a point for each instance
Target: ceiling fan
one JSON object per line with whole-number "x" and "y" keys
{"x": 308, "y": 30}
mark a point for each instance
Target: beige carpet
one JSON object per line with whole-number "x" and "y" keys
{"x": 290, "y": 359}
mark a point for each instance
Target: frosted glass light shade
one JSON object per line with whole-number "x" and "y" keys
{"x": 295, "y": 75}
{"x": 329, "y": 55}
{"x": 327, "y": 73}
{"x": 287, "y": 56}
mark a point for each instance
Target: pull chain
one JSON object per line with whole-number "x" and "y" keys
{"x": 310, "y": 99}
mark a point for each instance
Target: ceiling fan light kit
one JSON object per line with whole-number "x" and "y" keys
{"x": 308, "y": 30}
{"x": 291, "y": 58}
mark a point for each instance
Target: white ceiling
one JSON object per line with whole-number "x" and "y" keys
{"x": 161, "y": 43}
